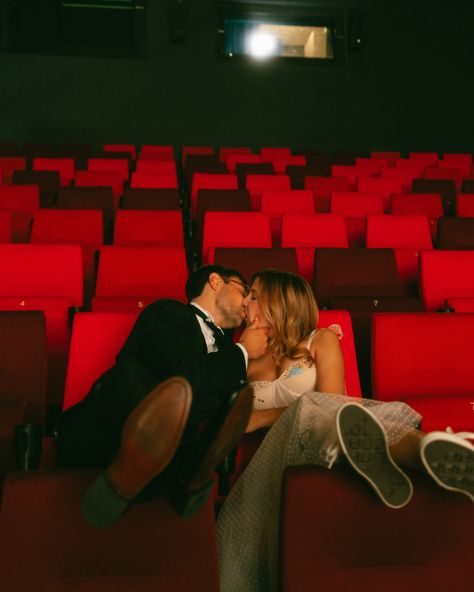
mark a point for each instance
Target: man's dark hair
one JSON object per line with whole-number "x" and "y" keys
{"x": 198, "y": 279}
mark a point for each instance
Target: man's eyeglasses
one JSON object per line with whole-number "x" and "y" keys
{"x": 243, "y": 286}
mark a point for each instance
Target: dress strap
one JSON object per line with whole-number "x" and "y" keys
{"x": 310, "y": 339}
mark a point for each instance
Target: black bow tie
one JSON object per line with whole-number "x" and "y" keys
{"x": 219, "y": 335}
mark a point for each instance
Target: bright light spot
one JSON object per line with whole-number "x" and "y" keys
{"x": 262, "y": 45}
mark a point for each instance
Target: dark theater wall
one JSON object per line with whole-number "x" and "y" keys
{"x": 409, "y": 88}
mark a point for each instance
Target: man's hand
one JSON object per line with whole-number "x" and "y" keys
{"x": 255, "y": 340}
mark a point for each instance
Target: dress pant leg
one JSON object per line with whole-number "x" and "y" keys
{"x": 88, "y": 434}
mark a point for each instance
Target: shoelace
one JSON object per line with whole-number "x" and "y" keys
{"x": 463, "y": 435}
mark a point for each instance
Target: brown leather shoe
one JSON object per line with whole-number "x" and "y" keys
{"x": 222, "y": 436}
{"x": 150, "y": 438}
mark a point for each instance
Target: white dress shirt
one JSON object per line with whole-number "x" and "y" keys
{"x": 209, "y": 334}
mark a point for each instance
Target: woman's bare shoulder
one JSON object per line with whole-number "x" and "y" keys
{"x": 324, "y": 339}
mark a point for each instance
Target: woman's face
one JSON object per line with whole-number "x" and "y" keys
{"x": 252, "y": 306}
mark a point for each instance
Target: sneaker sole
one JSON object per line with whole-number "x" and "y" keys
{"x": 365, "y": 446}
{"x": 450, "y": 464}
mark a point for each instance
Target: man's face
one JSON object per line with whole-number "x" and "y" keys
{"x": 229, "y": 303}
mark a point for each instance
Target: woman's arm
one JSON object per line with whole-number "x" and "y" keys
{"x": 264, "y": 418}
{"x": 327, "y": 355}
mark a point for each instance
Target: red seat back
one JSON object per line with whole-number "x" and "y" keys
{"x": 445, "y": 274}
{"x": 156, "y": 272}
{"x": 234, "y": 229}
{"x": 45, "y": 544}
{"x": 333, "y": 535}
{"x": 158, "y": 228}
{"x": 95, "y": 341}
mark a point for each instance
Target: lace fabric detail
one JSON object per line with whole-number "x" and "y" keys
{"x": 247, "y": 528}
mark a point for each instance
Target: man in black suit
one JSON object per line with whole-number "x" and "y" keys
{"x": 169, "y": 339}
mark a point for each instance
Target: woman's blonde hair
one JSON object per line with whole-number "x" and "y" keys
{"x": 287, "y": 302}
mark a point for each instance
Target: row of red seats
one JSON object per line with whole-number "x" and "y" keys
{"x": 46, "y": 545}
{"x": 431, "y": 372}
{"x": 51, "y": 278}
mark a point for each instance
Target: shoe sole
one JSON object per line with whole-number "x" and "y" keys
{"x": 227, "y": 437}
{"x": 450, "y": 464}
{"x": 150, "y": 438}
{"x": 364, "y": 444}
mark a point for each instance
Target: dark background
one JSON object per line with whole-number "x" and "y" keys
{"x": 409, "y": 88}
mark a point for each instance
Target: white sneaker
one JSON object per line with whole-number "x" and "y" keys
{"x": 365, "y": 446}
{"x": 449, "y": 459}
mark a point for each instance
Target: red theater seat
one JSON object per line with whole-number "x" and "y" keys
{"x": 151, "y": 199}
{"x": 272, "y": 154}
{"x": 350, "y": 172}
{"x": 154, "y": 180}
{"x": 427, "y": 158}
{"x": 407, "y": 235}
{"x": 355, "y": 207}
{"x": 210, "y": 181}
{"x": 306, "y": 232}
{"x": 465, "y": 205}
{"x": 280, "y": 163}
{"x": 47, "y": 278}
{"x": 235, "y": 158}
{"x": 256, "y": 184}
{"x": 156, "y": 167}
{"x": 336, "y": 535}
{"x": 382, "y": 186}
{"x": 48, "y": 183}
{"x": 403, "y": 174}
{"x": 248, "y": 261}
{"x": 425, "y": 360}
{"x": 390, "y": 156}
{"x": 152, "y": 228}
{"x": 220, "y": 200}
{"x": 164, "y": 152}
{"x": 324, "y": 187}
{"x": 115, "y": 165}
{"x": 6, "y": 226}
{"x": 22, "y": 201}
{"x": 355, "y": 273}
{"x": 224, "y": 151}
{"x": 445, "y": 187}
{"x": 89, "y": 198}
{"x": 46, "y": 545}
{"x": 132, "y": 274}
{"x": 81, "y": 227}
{"x": 276, "y": 203}
{"x": 64, "y": 166}
{"x": 445, "y": 173}
{"x": 456, "y": 233}
{"x": 427, "y": 204}
{"x": 95, "y": 341}
{"x": 10, "y": 164}
{"x": 106, "y": 178}
{"x": 445, "y": 275}
{"x": 23, "y": 371}
{"x": 372, "y": 165}
{"x": 234, "y": 229}
{"x": 23, "y": 366}
{"x": 130, "y": 148}
{"x": 187, "y": 150}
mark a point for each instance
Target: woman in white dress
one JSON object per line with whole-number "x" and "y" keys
{"x": 298, "y": 389}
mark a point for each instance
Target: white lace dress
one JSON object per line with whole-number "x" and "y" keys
{"x": 247, "y": 528}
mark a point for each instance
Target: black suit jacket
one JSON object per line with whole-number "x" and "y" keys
{"x": 167, "y": 340}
